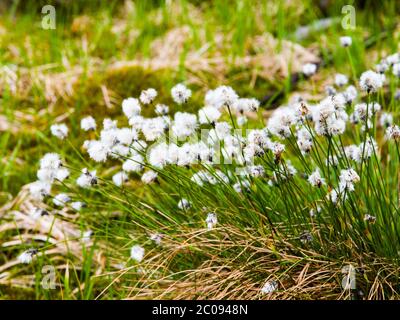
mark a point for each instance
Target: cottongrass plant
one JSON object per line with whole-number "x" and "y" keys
{"x": 219, "y": 202}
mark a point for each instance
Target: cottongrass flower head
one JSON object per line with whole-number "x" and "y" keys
{"x": 86, "y": 236}
{"x": 148, "y": 96}
{"x": 156, "y": 238}
{"x": 269, "y": 287}
{"x": 341, "y": 80}
{"x": 396, "y": 70}
{"x": 27, "y": 256}
{"x": 88, "y": 123}
{"x": 223, "y": 96}
{"x": 371, "y": 81}
{"x": 243, "y": 105}
{"x": 369, "y": 218}
{"x": 211, "y": 220}
{"x": 393, "y": 132}
{"x": 209, "y": 114}
{"x": 315, "y": 179}
{"x": 37, "y": 213}
{"x": 131, "y": 107}
{"x": 87, "y": 178}
{"x": 59, "y": 130}
{"x": 137, "y": 253}
{"x": 345, "y": 41}
{"x": 39, "y": 189}
{"x": 120, "y": 178}
{"x": 149, "y": 176}
{"x": 161, "y": 109}
{"x": 385, "y": 120}
{"x": 61, "y": 199}
{"x": 78, "y": 205}
{"x": 180, "y": 93}
{"x": 309, "y": 69}
{"x": 184, "y": 204}
{"x": 347, "y": 179}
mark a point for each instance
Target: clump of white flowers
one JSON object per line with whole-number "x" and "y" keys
{"x": 302, "y": 146}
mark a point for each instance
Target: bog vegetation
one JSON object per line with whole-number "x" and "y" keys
{"x": 219, "y": 150}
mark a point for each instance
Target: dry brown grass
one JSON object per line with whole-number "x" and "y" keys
{"x": 57, "y": 235}
{"x": 235, "y": 265}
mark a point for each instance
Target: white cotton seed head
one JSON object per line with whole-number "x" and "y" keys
{"x": 87, "y": 178}
{"x": 156, "y": 238}
{"x": 153, "y": 128}
{"x": 256, "y": 171}
{"x": 62, "y": 174}
{"x": 158, "y": 155}
{"x": 281, "y": 120}
{"x": 184, "y": 124}
{"x": 269, "y": 287}
{"x": 180, "y": 93}
{"x": 392, "y": 59}
{"x": 149, "y": 176}
{"x": 133, "y": 164}
{"x": 120, "y": 178}
{"x": 246, "y": 105}
{"x": 350, "y": 94}
{"x": 371, "y": 81}
{"x": 137, "y": 253}
{"x": 39, "y": 189}
{"x": 393, "y": 132}
{"x": 221, "y": 96}
{"x": 109, "y": 124}
{"x": 347, "y": 179}
{"x": 211, "y": 220}
{"x": 50, "y": 161}
{"x": 345, "y": 41}
{"x": 126, "y": 135}
{"x": 131, "y": 107}
{"x": 98, "y": 151}
{"x": 184, "y": 204}
{"x": 59, "y": 130}
{"x": 27, "y": 256}
{"x": 61, "y": 199}
{"x": 88, "y": 123}
{"x": 148, "y": 96}
{"x": 341, "y": 80}
{"x": 385, "y": 120}
{"x": 309, "y": 69}
{"x": 78, "y": 205}
{"x": 209, "y": 114}
{"x": 315, "y": 179}
{"x": 136, "y": 122}
{"x": 161, "y": 109}
{"x": 396, "y": 69}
